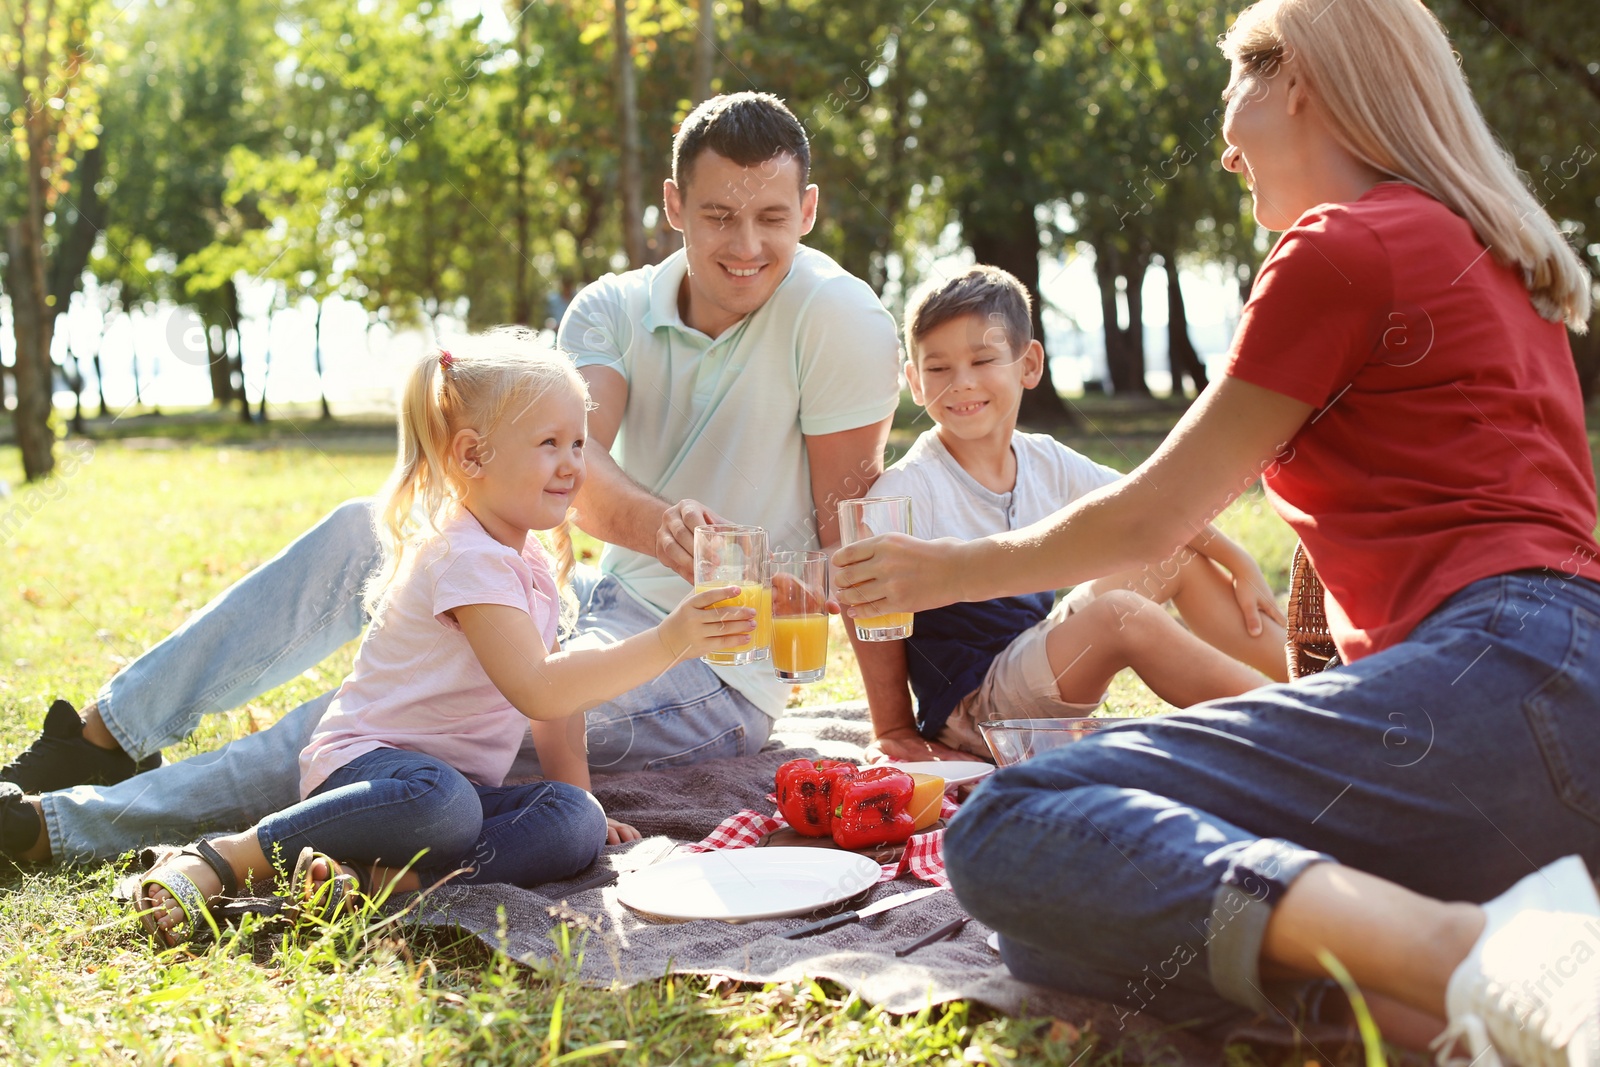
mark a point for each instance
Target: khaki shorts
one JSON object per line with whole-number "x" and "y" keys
{"x": 1019, "y": 685}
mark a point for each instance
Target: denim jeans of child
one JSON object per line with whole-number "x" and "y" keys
{"x": 284, "y": 618}
{"x": 396, "y": 808}
{"x": 1140, "y": 866}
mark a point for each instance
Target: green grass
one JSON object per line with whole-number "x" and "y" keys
{"x": 126, "y": 542}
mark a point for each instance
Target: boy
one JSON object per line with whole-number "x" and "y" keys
{"x": 970, "y": 354}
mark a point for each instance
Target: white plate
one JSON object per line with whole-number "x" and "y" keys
{"x": 742, "y": 885}
{"x": 954, "y": 772}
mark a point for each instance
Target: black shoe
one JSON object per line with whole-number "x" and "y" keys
{"x": 61, "y": 758}
{"x": 19, "y": 823}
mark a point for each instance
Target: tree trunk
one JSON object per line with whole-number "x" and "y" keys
{"x": 322, "y": 385}
{"x": 237, "y": 365}
{"x": 1105, "y": 275}
{"x": 218, "y": 367}
{"x": 1017, "y": 250}
{"x": 31, "y": 323}
{"x": 1137, "y": 386}
{"x": 100, "y": 382}
{"x": 628, "y": 117}
{"x": 705, "y": 44}
{"x": 266, "y": 373}
{"x": 76, "y": 382}
{"x": 99, "y": 372}
{"x": 79, "y": 223}
{"x": 1182, "y": 359}
{"x": 521, "y": 296}
{"x": 266, "y": 368}
{"x": 1124, "y": 344}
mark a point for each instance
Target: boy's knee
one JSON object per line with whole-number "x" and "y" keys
{"x": 1126, "y": 613}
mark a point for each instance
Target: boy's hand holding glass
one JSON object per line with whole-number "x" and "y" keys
{"x": 699, "y": 627}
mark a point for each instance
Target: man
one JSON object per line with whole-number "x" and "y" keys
{"x": 745, "y": 376}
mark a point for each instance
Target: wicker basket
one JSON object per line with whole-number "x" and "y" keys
{"x": 1310, "y": 646}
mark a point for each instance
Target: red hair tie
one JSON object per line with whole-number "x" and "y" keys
{"x": 446, "y": 359}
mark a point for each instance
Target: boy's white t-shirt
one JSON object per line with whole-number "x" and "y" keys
{"x": 951, "y": 648}
{"x": 723, "y": 421}
{"x": 417, "y": 684}
{"x": 946, "y": 501}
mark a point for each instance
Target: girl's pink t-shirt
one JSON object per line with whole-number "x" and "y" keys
{"x": 416, "y": 684}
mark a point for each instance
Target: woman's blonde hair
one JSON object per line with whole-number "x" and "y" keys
{"x": 1394, "y": 95}
{"x": 473, "y": 383}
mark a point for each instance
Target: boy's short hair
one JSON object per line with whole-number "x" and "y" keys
{"x": 748, "y": 128}
{"x": 988, "y": 292}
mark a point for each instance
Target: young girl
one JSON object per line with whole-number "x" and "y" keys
{"x": 408, "y": 761}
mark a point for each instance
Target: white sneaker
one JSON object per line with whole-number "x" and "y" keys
{"x": 1528, "y": 993}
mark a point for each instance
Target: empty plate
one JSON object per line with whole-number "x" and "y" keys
{"x": 954, "y": 772}
{"x": 742, "y": 885}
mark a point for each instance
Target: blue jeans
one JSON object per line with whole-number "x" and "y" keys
{"x": 285, "y": 617}
{"x": 1140, "y": 865}
{"x": 391, "y": 806}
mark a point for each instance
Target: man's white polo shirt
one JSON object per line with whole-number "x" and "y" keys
{"x": 723, "y": 420}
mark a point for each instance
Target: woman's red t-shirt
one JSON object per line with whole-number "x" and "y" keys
{"x": 1448, "y": 443}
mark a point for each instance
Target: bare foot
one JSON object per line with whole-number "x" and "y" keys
{"x": 165, "y": 909}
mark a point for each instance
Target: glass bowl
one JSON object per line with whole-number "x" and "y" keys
{"x": 1014, "y": 740}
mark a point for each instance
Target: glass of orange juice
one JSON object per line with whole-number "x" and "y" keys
{"x": 737, "y": 555}
{"x": 868, "y": 517}
{"x": 800, "y": 615}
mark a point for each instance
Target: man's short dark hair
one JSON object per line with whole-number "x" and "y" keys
{"x": 994, "y": 295}
{"x": 748, "y": 128}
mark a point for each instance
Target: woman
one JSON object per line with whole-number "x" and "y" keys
{"x": 1402, "y": 380}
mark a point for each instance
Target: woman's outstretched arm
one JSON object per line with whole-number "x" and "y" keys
{"x": 1233, "y": 433}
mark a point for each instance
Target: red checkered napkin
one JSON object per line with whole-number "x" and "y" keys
{"x": 923, "y": 855}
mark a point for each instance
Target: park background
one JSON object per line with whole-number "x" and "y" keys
{"x": 228, "y": 225}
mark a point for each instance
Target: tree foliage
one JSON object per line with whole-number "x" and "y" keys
{"x": 428, "y": 166}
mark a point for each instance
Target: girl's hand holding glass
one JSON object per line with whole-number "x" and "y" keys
{"x": 697, "y": 626}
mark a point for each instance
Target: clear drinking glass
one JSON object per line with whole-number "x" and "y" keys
{"x": 859, "y": 520}
{"x": 737, "y": 555}
{"x": 800, "y": 615}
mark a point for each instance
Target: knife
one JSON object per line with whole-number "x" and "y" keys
{"x": 844, "y": 917}
{"x": 949, "y": 929}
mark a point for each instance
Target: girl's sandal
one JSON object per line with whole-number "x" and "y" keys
{"x": 199, "y": 925}
{"x": 339, "y": 895}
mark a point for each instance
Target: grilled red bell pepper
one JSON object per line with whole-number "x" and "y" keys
{"x": 874, "y": 809}
{"x": 808, "y": 793}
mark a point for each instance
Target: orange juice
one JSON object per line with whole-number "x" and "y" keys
{"x": 763, "y": 635}
{"x": 751, "y": 595}
{"x": 800, "y": 643}
{"x": 884, "y": 622}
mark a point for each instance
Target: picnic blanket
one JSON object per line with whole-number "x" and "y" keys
{"x": 619, "y": 946}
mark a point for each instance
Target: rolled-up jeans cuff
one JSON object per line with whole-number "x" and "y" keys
{"x": 52, "y": 829}
{"x": 1251, "y": 887}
